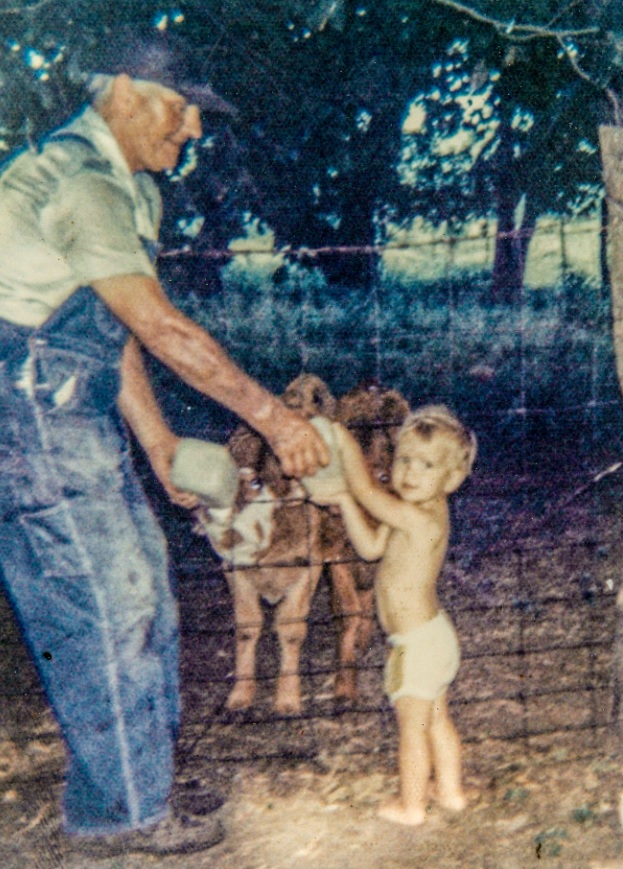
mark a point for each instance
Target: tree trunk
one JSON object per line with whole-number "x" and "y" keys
{"x": 611, "y": 144}
{"x": 354, "y": 269}
{"x": 512, "y": 241}
{"x": 511, "y": 251}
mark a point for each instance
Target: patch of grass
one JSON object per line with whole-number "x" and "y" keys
{"x": 530, "y": 372}
{"x": 549, "y": 842}
{"x": 584, "y": 815}
{"x": 516, "y": 795}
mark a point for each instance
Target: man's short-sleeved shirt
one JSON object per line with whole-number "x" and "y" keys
{"x": 71, "y": 213}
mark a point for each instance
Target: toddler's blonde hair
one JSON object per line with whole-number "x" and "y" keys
{"x": 437, "y": 418}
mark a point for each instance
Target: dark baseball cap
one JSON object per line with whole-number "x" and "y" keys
{"x": 159, "y": 57}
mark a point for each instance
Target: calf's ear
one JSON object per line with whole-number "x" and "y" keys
{"x": 246, "y": 448}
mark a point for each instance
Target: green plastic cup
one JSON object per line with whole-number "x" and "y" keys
{"x": 207, "y": 470}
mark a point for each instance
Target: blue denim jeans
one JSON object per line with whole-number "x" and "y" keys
{"x": 85, "y": 568}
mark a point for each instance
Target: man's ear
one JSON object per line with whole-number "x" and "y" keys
{"x": 123, "y": 96}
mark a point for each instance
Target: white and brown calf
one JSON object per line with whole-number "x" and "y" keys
{"x": 270, "y": 546}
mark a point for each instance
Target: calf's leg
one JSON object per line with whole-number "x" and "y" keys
{"x": 291, "y": 629}
{"x": 249, "y": 619}
{"x": 347, "y": 609}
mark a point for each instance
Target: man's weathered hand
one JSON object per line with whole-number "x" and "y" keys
{"x": 296, "y": 443}
{"x": 161, "y": 459}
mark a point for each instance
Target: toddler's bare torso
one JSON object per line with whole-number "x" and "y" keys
{"x": 406, "y": 580}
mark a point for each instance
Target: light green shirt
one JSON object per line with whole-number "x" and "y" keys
{"x": 71, "y": 214}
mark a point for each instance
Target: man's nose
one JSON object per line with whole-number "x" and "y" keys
{"x": 192, "y": 122}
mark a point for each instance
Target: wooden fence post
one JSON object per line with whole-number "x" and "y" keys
{"x": 611, "y": 146}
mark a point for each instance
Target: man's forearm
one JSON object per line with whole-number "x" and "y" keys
{"x": 137, "y": 402}
{"x": 186, "y": 348}
{"x": 140, "y": 409}
{"x": 197, "y": 358}
{"x": 202, "y": 363}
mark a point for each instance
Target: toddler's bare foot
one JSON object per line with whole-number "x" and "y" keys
{"x": 455, "y": 802}
{"x": 396, "y": 812}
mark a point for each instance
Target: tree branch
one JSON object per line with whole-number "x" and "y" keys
{"x": 525, "y": 32}
{"x": 26, "y": 9}
{"x": 518, "y": 32}
{"x": 564, "y": 10}
{"x": 610, "y": 94}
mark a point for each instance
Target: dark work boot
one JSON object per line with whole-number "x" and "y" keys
{"x": 192, "y": 797}
{"x": 177, "y": 834}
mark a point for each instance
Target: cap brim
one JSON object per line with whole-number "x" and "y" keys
{"x": 204, "y": 97}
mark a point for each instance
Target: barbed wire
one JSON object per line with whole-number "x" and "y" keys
{"x": 374, "y": 250}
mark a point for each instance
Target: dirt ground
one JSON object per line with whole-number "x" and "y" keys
{"x": 529, "y": 808}
{"x": 532, "y": 702}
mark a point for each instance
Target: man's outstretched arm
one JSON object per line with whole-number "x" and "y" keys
{"x": 200, "y": 361}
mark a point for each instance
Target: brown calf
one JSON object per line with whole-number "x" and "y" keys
{"x": 373, "y": 415}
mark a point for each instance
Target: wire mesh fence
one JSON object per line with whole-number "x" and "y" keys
{"x": 532, "y": 574}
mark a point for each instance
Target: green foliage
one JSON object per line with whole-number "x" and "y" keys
{"x": 586, "y": 38}
{"x": 321, "y": 91}
{"x": 449, "y": 136}
{"x": 43, "y": 54}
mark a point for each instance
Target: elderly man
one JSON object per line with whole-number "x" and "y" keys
{"x": 83, "y": 560}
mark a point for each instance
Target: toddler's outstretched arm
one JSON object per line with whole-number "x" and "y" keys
{"x": 387, "y": 508}
{"x": 369, "y": 542}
